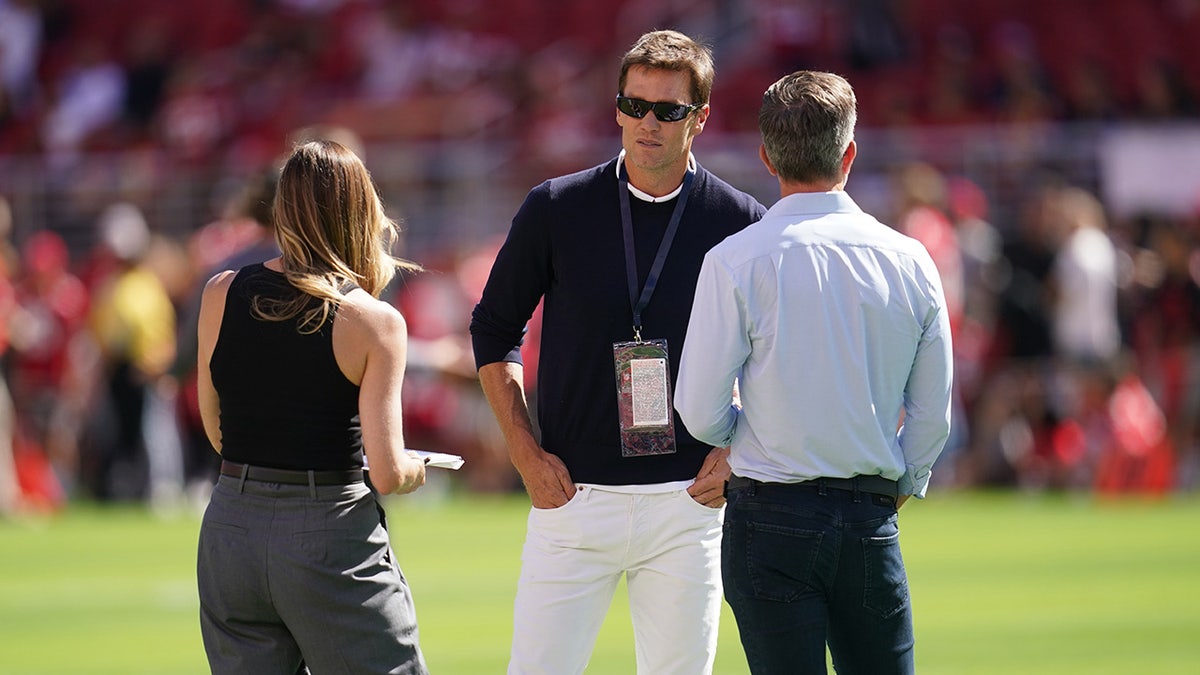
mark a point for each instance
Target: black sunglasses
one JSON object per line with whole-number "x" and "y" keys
{"x": 665, "y": 112}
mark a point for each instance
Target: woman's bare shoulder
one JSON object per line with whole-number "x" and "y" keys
{"x": 212, "y": 301}
{"x": 219, "y": 282}
{"x": 371, "y": 317}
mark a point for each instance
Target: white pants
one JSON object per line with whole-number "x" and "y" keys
{"x": 669, "y": 548}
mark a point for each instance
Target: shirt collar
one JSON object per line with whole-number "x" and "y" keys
{"x": 810, "y": 203}
{"x": 650, "y": 198}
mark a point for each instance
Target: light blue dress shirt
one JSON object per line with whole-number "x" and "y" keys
{"x": 834, "y": 326}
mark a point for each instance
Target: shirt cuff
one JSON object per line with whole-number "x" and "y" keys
{"x": 914, "y": 481}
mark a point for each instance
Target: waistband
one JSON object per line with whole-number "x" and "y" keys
{"x": 641, "y": 488}
{"x": 877, "y": 485}
{"x": 264, "y": 474}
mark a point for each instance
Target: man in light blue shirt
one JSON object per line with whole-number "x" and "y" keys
{"x": 833, "y": 328}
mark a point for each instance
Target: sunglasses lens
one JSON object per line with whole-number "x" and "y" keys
{"x": 670, "y": 112}
{"x": 632, "y": 107}
{"x": 665, "y": 112}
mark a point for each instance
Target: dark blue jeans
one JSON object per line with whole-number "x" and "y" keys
{"x": 805, "y": 566}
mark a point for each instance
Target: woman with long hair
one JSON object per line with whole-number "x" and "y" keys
{"x": 300, "y": 371}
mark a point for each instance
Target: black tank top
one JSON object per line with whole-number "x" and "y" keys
{"x": 285, "y": 403}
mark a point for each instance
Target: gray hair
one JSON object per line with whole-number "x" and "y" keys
{"x": 807, "y": 121}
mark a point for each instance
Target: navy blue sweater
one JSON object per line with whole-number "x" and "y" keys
{"x": 566, "y": 246}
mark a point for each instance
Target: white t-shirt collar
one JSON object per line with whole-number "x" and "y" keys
{"x": 650, "y": 198}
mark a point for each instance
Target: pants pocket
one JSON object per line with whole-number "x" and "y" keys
{"x": 780, "y": 561}
{"x": 885, "y": 586}
{"x": 563, "y": 526}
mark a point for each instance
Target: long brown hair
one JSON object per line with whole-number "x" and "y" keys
{"x": 332, "y": 230}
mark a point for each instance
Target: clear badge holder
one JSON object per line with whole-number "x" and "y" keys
{"x": 644, "y": 398}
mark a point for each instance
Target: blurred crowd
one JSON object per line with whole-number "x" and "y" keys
{"x": 1077, "y": 330}
{"x": 225, "y": 80}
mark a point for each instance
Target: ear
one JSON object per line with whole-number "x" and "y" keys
{"x": 701, "y": 118}
{"x": 762, "y": 154}
{"x": 848, "y": 158}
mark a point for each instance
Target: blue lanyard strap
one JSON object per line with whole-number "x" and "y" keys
{"x": 639, "y": 303}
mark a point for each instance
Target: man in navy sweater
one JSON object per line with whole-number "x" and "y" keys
{"x": 613, "y": 493}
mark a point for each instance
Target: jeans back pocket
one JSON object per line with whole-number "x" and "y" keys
{"x": 885, "y": 583}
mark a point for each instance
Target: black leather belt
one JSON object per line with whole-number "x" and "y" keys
{"x": 264, "y": 474}
{"x": 877, "y": 485}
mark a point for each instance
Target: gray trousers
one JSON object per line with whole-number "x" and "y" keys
{"x": 295, "y": 575}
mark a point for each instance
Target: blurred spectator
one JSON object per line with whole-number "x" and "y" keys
{"x": 1165, "y": 332}
{"x": 187, "y": 98}
{"x": 1135, "y": 454}
{"x": 133, "y": 322}
{"x": 920, "y": 200}
{"x": 235, "y": 229}
{"x": 1027, "y": 258}
{"x": 980, "y": 244}
{"x": 425, "y": 77}
{"x": 198, "y": 113}
{"x": 1013, "y": 418}
{"x": 52, "y": 306}
{"x": 1086, "y": 335}
{"x": 20, "y": 44}
{"x": 87, "y": 97}
{"x": 466, "y": 57}
{"x": 444, "y": 407}
{"x": 390, "y": 47}
{"x": 1084, "y": 277}
{"x": 150, "y": 62}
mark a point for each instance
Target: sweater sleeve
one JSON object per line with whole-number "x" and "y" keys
{"x": 520, "y": 276}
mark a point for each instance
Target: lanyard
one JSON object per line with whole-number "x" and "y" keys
{"x": 639, "y": 303}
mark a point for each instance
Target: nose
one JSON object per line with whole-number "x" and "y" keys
{"x": 650, "y": 121}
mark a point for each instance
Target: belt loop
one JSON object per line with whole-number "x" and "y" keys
{"x": 312, "y": 484}
{"x": 821, "y": 487}
{"x": 242, "y": 480}
{"x": 857, "y": 493}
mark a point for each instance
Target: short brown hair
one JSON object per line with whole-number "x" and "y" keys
{"x": 672, "y": 50}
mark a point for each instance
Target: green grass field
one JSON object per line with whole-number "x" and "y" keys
{"x": 1002, "y": 583}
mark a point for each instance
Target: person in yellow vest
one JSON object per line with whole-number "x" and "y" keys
{"x": 133, "y": 323}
